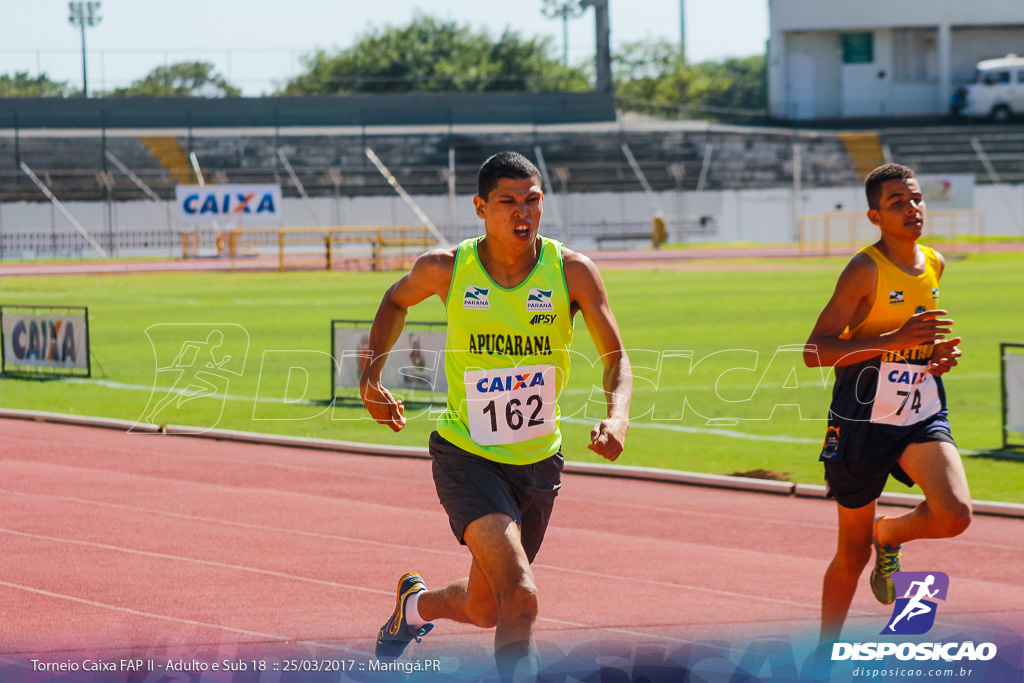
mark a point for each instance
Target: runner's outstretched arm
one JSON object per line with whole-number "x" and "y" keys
{"x": 587, "y": 291}
{"x": 431, "y": 274}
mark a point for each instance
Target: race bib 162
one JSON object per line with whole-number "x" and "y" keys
{"x": 509, "y": 405}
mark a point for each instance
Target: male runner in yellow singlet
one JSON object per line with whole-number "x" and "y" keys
{"x": 510, "y": 296}
{"x": 886, "y": 337}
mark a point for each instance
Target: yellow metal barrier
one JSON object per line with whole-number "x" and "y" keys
{"x": 332, "y": 240}
{"x": 841, "y": 231}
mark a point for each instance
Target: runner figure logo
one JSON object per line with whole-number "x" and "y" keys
{"x": 194, "y": 367}
{"x": 914, "y": 613}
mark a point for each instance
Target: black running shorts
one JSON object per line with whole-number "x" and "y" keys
{"x": 858, "y": 478}
{"x": 470, "y": 487}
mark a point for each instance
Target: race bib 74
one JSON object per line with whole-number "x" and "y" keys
{"x": 906, "y": 395}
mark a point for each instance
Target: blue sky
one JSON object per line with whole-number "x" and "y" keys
{"x": 258, "y": 44}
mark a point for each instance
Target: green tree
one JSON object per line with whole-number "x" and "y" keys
{"x": 185, "y": 79}
{"x": 429, "y": 55}
{"x": 651, "y": 72}
{"x": 650, "y": 76}
{"x": 737, "y": 83}
{"x": 23, "y": 85}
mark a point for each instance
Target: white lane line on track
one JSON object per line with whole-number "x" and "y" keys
{"x": 139, "y": 613}
{"x": 613, "y": 629}
{"x": 580, "y": 572}
{"x": 813, "y": 606}
{"x": 764, "y": 520}
{"x": 226, "y": 522}
{"x": 699, "y": 589}
{"x": 271, "y": 491}
{"x": 341, "y": 471}
{"x": 647, "y": 388}
{"x": 108, "y": 384}
{"x": 706, "y": 431}
{"x": 691, "y": 512}
{"x": 568, "y": 497}
{"x": 191, "y": 560}
{"x": 659, "y": 425}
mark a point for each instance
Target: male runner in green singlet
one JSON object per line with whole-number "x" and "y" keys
{"x": 511, "y": 296}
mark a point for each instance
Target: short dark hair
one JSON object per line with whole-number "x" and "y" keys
{"x": 504, "y": 165}
{"x": 882, "y": 174}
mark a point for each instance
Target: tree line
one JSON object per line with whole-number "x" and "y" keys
{"x": 431, "y": 55}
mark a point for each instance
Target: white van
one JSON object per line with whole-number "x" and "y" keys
{"x": 997, "y": 90}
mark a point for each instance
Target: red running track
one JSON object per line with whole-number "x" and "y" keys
{"x": 129, "y": 542}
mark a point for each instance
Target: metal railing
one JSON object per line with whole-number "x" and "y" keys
{"x": 379, "y": 247}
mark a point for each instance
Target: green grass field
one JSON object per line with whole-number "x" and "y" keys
{"x": 734, "y": 323}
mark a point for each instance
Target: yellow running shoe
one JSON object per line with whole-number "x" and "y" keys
{"x": 396, "y": 633}
{"x": 887, "y": 563}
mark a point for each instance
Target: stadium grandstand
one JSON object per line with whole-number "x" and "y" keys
{"x": 659, "y": 162}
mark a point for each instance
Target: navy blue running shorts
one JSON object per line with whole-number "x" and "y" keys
{"x": 857, "y": 467}
{"x": 470, "y": 487}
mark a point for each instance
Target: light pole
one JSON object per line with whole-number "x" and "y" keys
{"x": 682, "y": 28}
{"x": 564, "y": 10}
{"x": 82, "y": 14}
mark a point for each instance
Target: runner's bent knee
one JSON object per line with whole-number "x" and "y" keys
{"x": 518, "y": 603}
{"x": 483, "y": 613}
{"x": 953, "y": 519}
{"x": 854, "y": 557}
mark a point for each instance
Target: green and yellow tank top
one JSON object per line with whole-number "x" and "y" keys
{"x": 506, "y": 358}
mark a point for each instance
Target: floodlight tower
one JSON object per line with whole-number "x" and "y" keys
{"x": 80, "y": 15}
{"x": 564, "y": 10}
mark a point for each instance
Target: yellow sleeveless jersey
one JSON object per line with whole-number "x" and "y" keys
{"x": 506, "y": 358}
{"x": 904, "y": 393}
{"x": 899, "y": 295}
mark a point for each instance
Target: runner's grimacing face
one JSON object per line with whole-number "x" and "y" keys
{"x": 512, "y": 211}
{"x": 900, "y": 211}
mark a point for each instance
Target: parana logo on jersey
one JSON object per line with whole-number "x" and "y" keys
{"x": 540, "y": 300}
{"x": 476, "y": 297}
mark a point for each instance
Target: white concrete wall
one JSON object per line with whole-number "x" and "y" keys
{"x": 813, "y": 87}
{"x": 966, "y": 32}
{"x": 749, "y": 216}
{"x": 813, "y": 15}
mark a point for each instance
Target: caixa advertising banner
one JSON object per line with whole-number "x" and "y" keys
{"x": 47, "y": 340}
{"x": 228, "y": 204}
{"x": 414, "y": 367}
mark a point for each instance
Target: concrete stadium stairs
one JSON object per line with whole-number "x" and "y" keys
{"x": 865, "y": 149}
{"x": 580, "y": 160}
{"x": 941, "y": 150}
{"x": 169, "y": 152}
